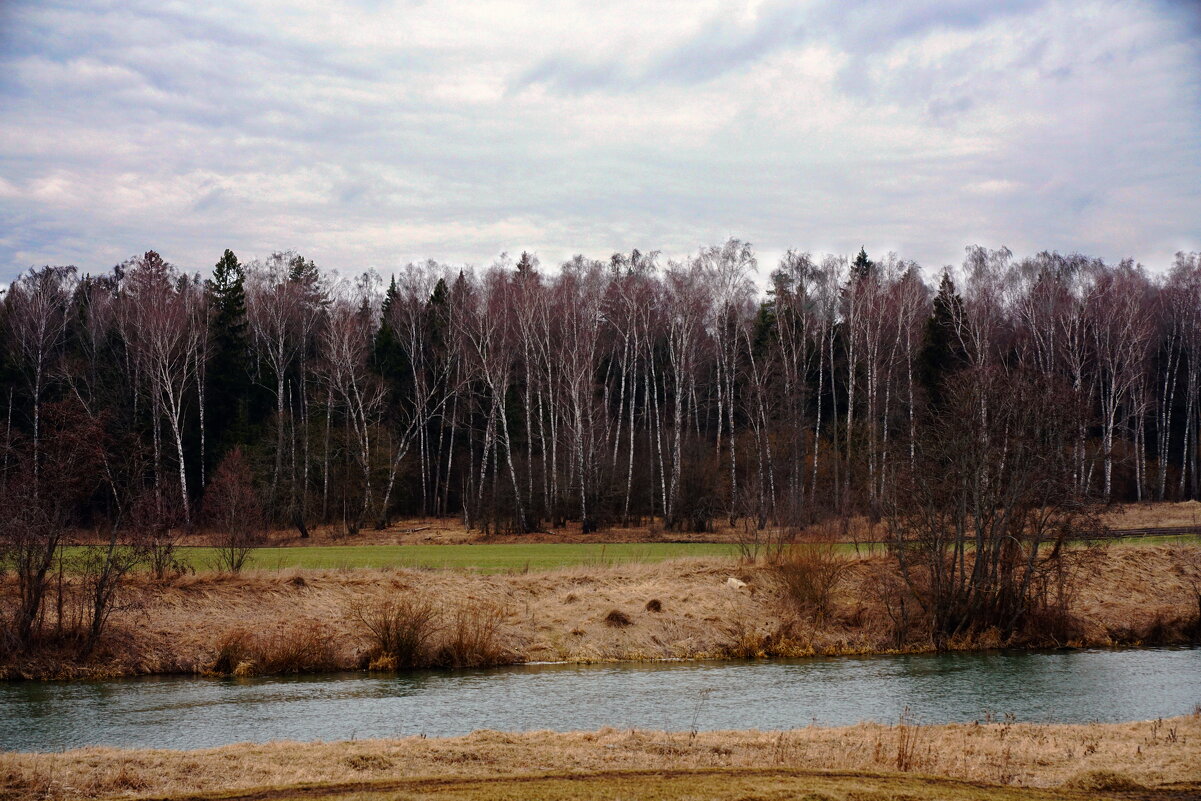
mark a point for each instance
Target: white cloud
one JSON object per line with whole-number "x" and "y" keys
{"x": 367, "y": 133}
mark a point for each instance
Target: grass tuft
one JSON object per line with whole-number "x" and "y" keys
{"x": 400, "y": 629}
{"x": 617, "y": 619}
{"x": 474, "y": 639}
{"x": 303, "y": 647}
{"x": 1103, "y": 781}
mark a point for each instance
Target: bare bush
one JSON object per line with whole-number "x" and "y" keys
{"x": 894, "y": 596}
{"x": 401, "y": 630}
{"x": 232, "y": 509}
{"x": 302, "y": 647}
{"x": 154, "y": 519}
{"x": 909, "y": 736}
{"x": 39, "y": 503}
{"x": 100, "y": 586}
{"x": 473, "y": 638}
{"x": 809, "y": 574}
{"x": 979, "y": 523}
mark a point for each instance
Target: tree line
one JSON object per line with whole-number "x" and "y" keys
{"x": 602, "y": 392}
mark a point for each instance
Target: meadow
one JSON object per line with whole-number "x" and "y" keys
{"x": 489, "y": 558}
{"x": 481, "y": 558}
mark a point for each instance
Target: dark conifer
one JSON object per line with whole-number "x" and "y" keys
{"x": 942, "y": 352}
{"x": 862, "y": 267}
{"x": 229, "y": 382}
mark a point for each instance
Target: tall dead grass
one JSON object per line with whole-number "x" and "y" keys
{"x": 400, "y": 629}
{"x": 410, "y": 632}
{"x": 473, "y": 638}
{"x": 304, "y": 647}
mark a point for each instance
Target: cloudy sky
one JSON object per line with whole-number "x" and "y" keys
{"x": 366, "y": 134}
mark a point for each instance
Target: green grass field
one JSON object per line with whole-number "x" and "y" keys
{"x": 481, "y": 558}
{"x": 510, "y": 558}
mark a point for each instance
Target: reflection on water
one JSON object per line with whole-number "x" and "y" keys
{"x": 174, "y": 712}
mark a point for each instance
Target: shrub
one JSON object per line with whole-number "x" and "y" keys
{"x": 155, "y": 517}
{"x": 232, "y": 509}
{"x": 304, "y": 647}
{"x": 654, "y": 605}
{"x": 809, "y": 573}
{"x": 234, "y": 649}
{"x": 400, "y": 629}
{"x": 473, "y": 638}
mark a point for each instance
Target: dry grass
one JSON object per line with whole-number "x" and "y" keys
{"x": 451, "y": 531}
{"x": 1087, "y": 761}
{"x": 1154, "y": 515}
{"x": 618, "y": 619}
{"x": 400, "y": 629}
{"x": 290, "y": 648}
{"x": 476, "y": 637}
{"x": 1131, "y": 595}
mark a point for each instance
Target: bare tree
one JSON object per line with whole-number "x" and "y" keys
{"x": 165, "y": 332}
{"x": 985, "y": 517}
{"x": 232, "y": 510}
{"x": 37, "y": 305}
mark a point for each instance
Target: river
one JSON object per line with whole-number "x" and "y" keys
{"x": 190, "y": 712}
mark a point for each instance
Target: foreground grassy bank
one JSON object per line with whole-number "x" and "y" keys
{"x": 326, "y": 620}
{"x": 1152, "y": 760}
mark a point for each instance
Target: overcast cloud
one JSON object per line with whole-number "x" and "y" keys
{"x": 369, "y": 134}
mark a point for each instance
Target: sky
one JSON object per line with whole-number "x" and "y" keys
{"x": 368, "y": 134}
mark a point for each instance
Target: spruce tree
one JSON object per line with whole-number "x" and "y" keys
{"x": 942, "y": 352}
{"x": 229, "y": 369}
{"x": 303, "y": 271}
{"x": 389, "y": 356}
{"x": 862, "y": 267}
{"x": 527, "y": 264}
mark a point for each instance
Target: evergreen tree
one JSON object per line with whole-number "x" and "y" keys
{"x": 390, "y": 361}
{"x": 438, "y": 311}
{"x": 527, "y": 264}
{"x": 229, "y": 384}
{"x": 765, "y": 331}
{"x": 942, "y": 352}
{"x": 862, "y": 267}
{"x": 302, "y": 270}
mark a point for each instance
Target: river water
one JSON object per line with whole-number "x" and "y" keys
{"x": 187, "y": 712}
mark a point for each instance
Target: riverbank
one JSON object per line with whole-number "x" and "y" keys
{"x": 1156, "y": 759}
{"x": 314, "y": 621}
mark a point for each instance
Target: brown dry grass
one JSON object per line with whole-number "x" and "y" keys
{"x": 1131, "y": 595}
{"x": 1089, "y": 759}
{"x": 451, "y": 531}
{"x": 1157, "y": 515}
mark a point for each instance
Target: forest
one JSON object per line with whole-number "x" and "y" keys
{"x": 600, "y": 392}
